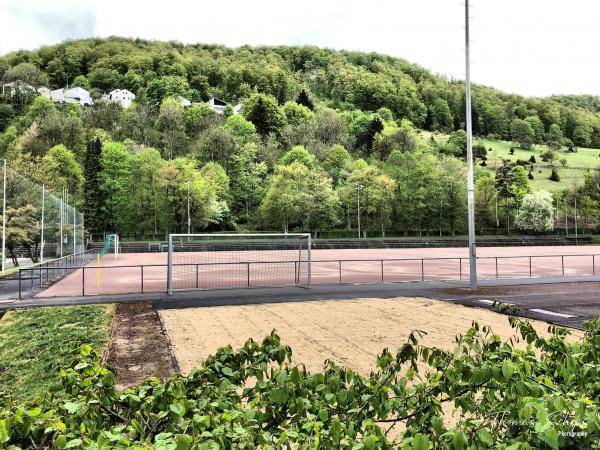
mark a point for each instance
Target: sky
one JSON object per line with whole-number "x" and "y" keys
{"x": 528, "y": 47}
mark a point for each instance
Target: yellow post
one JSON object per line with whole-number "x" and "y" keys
{"x": 98, "y": 273}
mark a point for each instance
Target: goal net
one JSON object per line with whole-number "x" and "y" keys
{"x": 111, "y": 245}
{"x": 221, "y": 261}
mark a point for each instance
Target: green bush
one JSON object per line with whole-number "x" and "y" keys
{"x": 543, "y": 394}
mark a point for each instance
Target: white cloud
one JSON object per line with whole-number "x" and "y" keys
{"x": 534, "y": 47}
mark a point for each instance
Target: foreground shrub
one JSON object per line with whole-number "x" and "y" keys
{"x": 540, "y": 394}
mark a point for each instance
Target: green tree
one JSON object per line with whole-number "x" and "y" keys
{"x": 304, "y": 100}
{"x": 167, "y": 86}
{"x": 485, "y": 200}
{"x": 555, "y": 137}
{"x": 22, "y": 231}
{"x": 296, "y": 114}
{"x": 92, "y": 198}
{"x": 263, "y": 112}
{"x": 27, "y": 73}
{"x": 441, "y": 116}
{"x": 114, "y": 179}
{"x": 536, "y": 213}
{"x": 522, "y": 133}
{"x": 284, "y": 202}
{"x": 61, "y": 170}
{"x": 298, "y": 154}
{"x": 247, "y": 180}
{"x": 242, "y": 129}
{"x": 337, "y": 164}
{"x": 322, "y": 205}
{"x": 171, "y": 124}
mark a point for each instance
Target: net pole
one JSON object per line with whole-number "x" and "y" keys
{"x": 4, "y": 218}
{"x": 74, "y": 230}
{"x": 309, "y": 259}
{"x": 43, "y": 214}
{"x": 170, "y": 265}
{"x": 62, "y": 205}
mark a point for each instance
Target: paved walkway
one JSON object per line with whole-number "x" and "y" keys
{"x": 565, "y": 301}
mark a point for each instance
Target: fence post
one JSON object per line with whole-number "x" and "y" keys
{"x": 460, "y": 268}
{"x": 562, "y": 262}
{"x": 340, "y": 269}
{"x": 170, "y": 265}
{"x": 197, "y": 280}
{"x": 496, "y": 267}
{"x": 422, "y": 270}
{"x": 593, "y": 264}
{"x": 83, "y": 282}
{"x": 248, "y": 273}
{"x": 20, "y": 284}
{"x": 382, "y": 271}
{"x": 142, "y": 277}
{"x": 530, "y": 267}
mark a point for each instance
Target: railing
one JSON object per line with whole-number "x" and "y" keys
{"x": 335, "y": 271}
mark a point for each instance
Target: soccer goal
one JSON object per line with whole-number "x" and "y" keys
{"x": 229, "y": 261}
{"x": 111, "y": 245}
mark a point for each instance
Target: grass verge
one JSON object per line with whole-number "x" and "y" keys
{"x": 34, "y": 343}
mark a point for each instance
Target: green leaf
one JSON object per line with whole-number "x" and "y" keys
{"x": 280, "y": 396}
{"x": 420, "y": 442}
{"x": 4, "y": 436}
{"x": 184, "y": 442}
{"x": 508, "y": 369}
{"x": 550, "y": 437}
{"x": 485, "y": 436}
{"x": 73, "y": 443}
{"x": 177, "y": 408}
{"x": 458, "y": 441}
{"x": 227, "y": 371}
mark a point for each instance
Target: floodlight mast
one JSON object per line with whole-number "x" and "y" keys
{"x": 470, "y": 194}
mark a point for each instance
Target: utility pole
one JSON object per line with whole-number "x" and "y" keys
{"x": 575, "y": 198}
{"x": 42, "y": 227}
{"x": 4, "y": 219}
{"x": 497, "y": 220}
{"x": 470, "y": 194}
{"x": 358, "y": 189}
{"x": 189, "y": 221}
{"x": 566, "y": 219}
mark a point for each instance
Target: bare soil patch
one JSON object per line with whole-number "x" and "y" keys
{"x": 138, "y": 346}
{"x": 547, "y": 288}
{"x": 350, "y": 332}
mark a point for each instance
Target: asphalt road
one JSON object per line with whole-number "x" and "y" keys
{"x": 562, "y": 301}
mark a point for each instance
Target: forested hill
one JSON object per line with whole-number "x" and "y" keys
{"x": 341, "y": 79}
{"x": 279, "y": 138}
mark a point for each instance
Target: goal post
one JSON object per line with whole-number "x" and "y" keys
{"x": 111, "y": 245}
{"x": 241, "y": 260}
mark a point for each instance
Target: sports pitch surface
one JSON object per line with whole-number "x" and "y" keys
{"x": 147, "y": 272}
{"x": 351, "y": 332}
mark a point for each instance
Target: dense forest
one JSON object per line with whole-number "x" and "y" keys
{"x": 320, "y": 131}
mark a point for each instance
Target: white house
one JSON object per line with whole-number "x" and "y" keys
{"x": 73, "y": 95}
{"x": 123, "y": 96}
{"x": 79, "y": 95}
{"x": 17, "y": 86}
{"x": 184, "y": 101}
{"x": 43, "y": 91}
{"x": 218, "y": 105}
{"x": 237, "y": 109}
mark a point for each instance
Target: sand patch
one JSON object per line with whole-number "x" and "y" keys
{"x": 350, "y": 332}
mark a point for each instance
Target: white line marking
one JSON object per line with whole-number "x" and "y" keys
{"x": 491, "y": 302}
{"x": 551, "y": 313}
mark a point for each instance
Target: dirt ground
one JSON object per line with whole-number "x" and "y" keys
{"x": 138, "y": 347}
{"x": 350, "y": 332}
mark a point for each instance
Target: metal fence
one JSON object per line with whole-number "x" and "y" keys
{"x": 85, "y": 279}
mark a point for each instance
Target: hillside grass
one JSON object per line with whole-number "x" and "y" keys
{"x": 34, "y": 343}
{"x": 578, "y": 163}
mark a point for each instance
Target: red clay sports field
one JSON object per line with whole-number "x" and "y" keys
{"x": 147, "y": 272}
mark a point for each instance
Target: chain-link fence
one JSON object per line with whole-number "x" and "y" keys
{"x": 37, "y": 224}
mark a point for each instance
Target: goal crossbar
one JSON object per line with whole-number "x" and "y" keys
{"x": 228, "y": 248}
